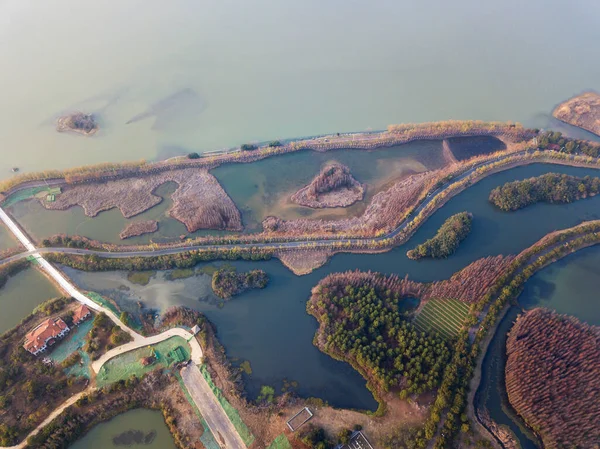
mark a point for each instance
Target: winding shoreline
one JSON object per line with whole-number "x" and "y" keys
{"x": 395, "y": 135}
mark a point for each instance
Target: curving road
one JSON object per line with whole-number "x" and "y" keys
{"x": 289, "y": 244}
{"x": 204, "y": 398}
{"x": 196, "y": 355}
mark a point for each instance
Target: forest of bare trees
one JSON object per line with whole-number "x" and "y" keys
{"x": 553, "y": 378}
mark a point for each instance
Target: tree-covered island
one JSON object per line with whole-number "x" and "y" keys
{"x": 548, "y": 188}
{"x": 454, "y": 230}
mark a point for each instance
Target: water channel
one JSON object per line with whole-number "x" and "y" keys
{"x": 270, "y": 327}
{"x": 569, "y": 286}
{"x": 216, "y": 74}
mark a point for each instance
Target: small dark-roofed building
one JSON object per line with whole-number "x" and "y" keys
{"x": 357, "y": 441}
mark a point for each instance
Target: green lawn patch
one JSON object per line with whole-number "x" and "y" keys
{"x": 281, "y": 442}
{"x": 140, "y": 277}
{"x": 180, "y": 273}
{"x": 24, "y": 195}
{"x": 98, "y": 299}
{"x": 165, "y": 353}
{"x": 230, "y": 410}
{"x": 444, "y": 316}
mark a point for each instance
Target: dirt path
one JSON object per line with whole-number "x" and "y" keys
{"x": 49, "y": 419}
{"x": 218, "y": 422}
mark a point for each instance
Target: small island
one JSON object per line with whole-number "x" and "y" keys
{"x": 78, "y": 122}
{"x": 582, "y": 111}
{"x": 139, "y": 228}
{"x": 334, "y": 186}
{"x": 454, "y": 230}
{"x": 548, "y": 188}
{"x": 227, "y": 283}
{"x": 553, "y": 377}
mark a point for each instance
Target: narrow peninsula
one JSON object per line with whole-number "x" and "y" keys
{"x": 582, "y": 111}
{"x": 139, "y": 228}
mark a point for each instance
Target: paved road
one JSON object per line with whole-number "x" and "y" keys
{"x": 205, "y": 400}
{"x": 218, "y": 422}
{"x": 196, "y": 355}
{"x": 60, "y": 279}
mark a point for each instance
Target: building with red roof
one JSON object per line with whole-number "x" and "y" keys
{"x": 45, "y": 334}
{"x": 82, "y": 313}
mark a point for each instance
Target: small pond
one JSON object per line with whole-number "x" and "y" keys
{"x": 21, "y": 294}
{"x": 138, "y": 428}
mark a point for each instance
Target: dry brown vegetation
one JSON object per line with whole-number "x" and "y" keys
{"x": 199, "y": 201}
{"x": 396, "y": 135}
{"x": 553, "y": 377}
{"x": 77, "y": 122}
{"x": 139, "y": 228}
{"x": 468, "y": 285}
{"x": 303, "y": 261}
{"x": 383, "y": 213}
{"x": 582, "y": 111}
{"x": 334, "y": 186}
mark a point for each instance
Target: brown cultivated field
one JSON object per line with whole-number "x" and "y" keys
{"x": 553, "y": 378}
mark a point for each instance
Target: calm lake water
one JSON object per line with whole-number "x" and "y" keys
{"x": 147, "y": 421}
{"x": 217, "y": 74}
{"x": 21, "y": 294}
{"x": 270, "y": 327}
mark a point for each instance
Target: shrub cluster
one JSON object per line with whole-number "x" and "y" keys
{"x": 228, "y": 282}
{"x": 454, "y": 230}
